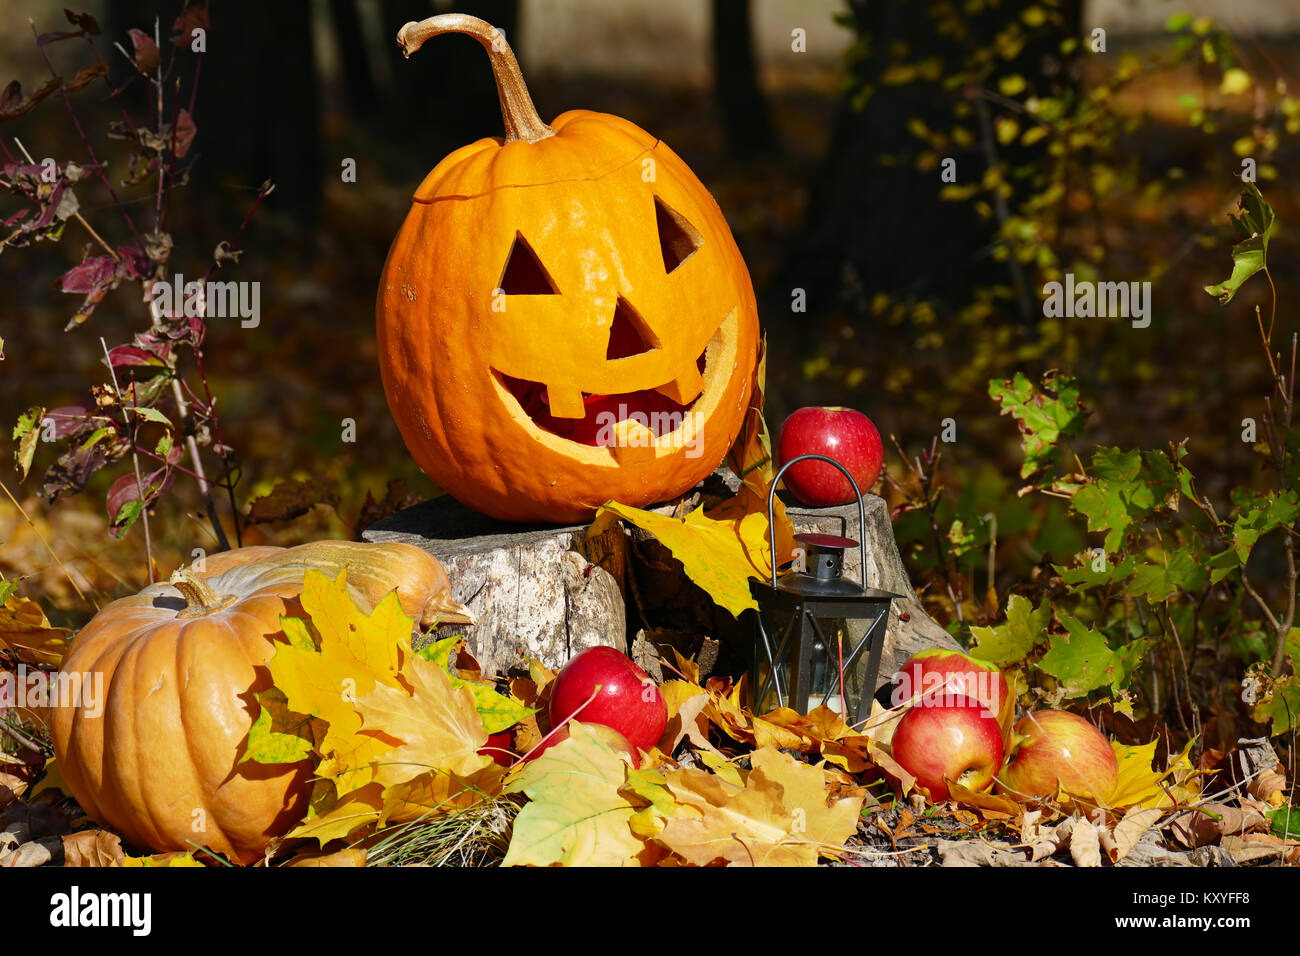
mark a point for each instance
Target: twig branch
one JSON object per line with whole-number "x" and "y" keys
{"x": 133, "y": 426}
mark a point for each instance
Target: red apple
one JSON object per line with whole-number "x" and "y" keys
{"x": 956, "y": 740}
{"x": 1054, "y": 747}
{"x": 942, "y": 674}
{"x": 500, "y": 747}
{"x": 612, "y": 738}
{"x": 603, "y": 686}
{"x": 846, "y": 435}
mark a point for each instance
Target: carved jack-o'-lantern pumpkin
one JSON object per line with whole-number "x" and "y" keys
{"x": 564, "y": 317}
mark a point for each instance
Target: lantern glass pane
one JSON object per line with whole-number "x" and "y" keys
{"x": 830, "y": 639}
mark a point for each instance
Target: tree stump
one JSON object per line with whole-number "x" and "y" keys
{"x": 549, "y": 592}
{"x": 536, "y": 591}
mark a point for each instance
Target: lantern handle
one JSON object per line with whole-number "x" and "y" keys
{"x": 862, "y": 511}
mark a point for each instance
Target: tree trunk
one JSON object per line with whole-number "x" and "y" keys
{"x": 257, "y": 112}
{"x": 876, "y": 226}
{"x": 744, "y": 109}
{"x": 358, "y": 78}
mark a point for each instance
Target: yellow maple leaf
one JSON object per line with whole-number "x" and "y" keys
{"x": 163, "y": 859}
{"x": 438, "y": 792}
{"x": 576, "y": 815}
{"x": 780, "y": 817}
{"x": 354, "y": 653}
{"x": 331, "y": 820}
{"x": 719, "y": 556}
{"x": 1138, "y": 785}
{"x": 436, "y": 726}
{"x": 352, "y": 856}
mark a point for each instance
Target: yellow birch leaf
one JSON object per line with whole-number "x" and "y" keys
{"x": 576, "y": 815}
{"x": 689, "y": 669}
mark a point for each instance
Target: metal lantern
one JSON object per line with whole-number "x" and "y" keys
{"x": 814, "y": 624}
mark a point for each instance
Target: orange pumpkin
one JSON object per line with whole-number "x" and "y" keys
{"x": 155, "y": 750}
{"x": 564, "y": 317}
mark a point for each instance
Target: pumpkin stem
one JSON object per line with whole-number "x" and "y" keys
{"x": 200, "y": 599}
{"x": 521, "y": 119}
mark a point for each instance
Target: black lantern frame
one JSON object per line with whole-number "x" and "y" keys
{"x": 792, "y": 609}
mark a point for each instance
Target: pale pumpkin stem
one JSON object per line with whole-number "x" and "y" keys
{"x": 200, "y": 599}
{"x": 521, "y": 119}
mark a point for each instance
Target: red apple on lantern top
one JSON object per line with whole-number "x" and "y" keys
{"x": 955, "y": 740}
{"x": 1053, "y": 749}
{"x": 603, "y": 686}
{"x": 940, "y": 672}
{"x": 844, "y": 434}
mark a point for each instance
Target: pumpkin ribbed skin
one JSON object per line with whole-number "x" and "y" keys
{"x": 585, "y": 201}
{"x": 161, "y": 763}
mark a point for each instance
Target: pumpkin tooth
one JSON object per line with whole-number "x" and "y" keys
{"x": 633, "y": 443}
{"x": 565, "y": 402}
{"x": 685, "y": 388}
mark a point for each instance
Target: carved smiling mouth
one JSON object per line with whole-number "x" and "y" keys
{"x": 653, "y": 410}
{"x": 598, "y": 427}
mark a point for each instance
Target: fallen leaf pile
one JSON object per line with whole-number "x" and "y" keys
{"x": 395, "y": 735}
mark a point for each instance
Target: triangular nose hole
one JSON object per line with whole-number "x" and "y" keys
{"x": 628, "y": 334}
{"x": 678, "y": 239}
{"x": 524, "y": 273}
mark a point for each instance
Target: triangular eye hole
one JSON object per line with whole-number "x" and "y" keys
{"x": 628, "y": 333}
{"x": 524, "y": 273}
{"x": 678, "y": 239}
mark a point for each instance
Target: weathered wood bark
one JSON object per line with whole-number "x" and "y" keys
{"x": 539, "y": 592}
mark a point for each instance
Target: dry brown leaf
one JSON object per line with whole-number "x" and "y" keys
{"x": 92, "y": 848}
{"x": 1046, "y": 841}
{"x": 991, "y": 805}
{"x": 1135, "y": 822}
{"x": 1028, "y": 824}
{"x": 1254, "y": 847}
{"x": 1104, "y": 836}
{"x": 979, "y": 853}
{"x": 967, "y": 853}
{"x": 1270, "y": 787}
{"x": 685, "y": 723}
{"x": 1206, "y": 824}
{"x": 26, "y": 631}
{"x": 1085, "y": 843}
